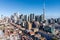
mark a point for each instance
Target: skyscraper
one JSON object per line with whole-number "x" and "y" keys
{"x": 32, "y": 17}
{"x": 29, "y": 25}
{"x": 21, "y": 19}
{"x": 12, "y": 18}
{"x": 1, "y": 16}
{"x": 25, "y": 18}
{"x": 28, "y": 18}
{"x": 58, "y": 20}
{"x": 15, "y": 17}
{"x": 41, "y": 18}
{"x": 37, "y": 18}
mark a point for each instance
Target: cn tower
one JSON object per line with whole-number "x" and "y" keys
{"x": 44, "y": 9}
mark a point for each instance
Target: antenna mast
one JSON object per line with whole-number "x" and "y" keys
{"x": 43, "y": 9}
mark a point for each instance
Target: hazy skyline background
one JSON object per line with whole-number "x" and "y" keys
{"x": 52, "y": 7}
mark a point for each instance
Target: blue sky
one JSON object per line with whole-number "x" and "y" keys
{"x": 8, "y": 7}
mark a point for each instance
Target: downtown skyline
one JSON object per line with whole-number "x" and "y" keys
{"x": 8, "y": 7}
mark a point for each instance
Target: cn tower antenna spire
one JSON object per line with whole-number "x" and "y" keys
{"x": 43, "y": 6}
{"x": 44, "y": 9}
